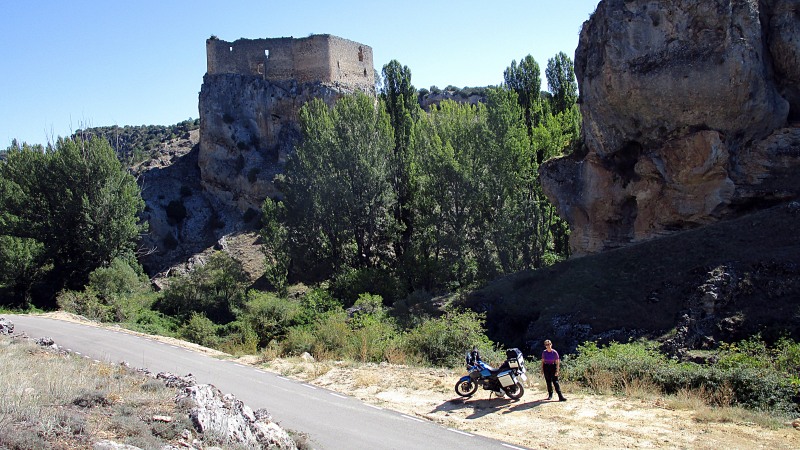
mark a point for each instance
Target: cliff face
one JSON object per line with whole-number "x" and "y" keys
{"x": 248, "y": 126}
{"x": 687, "y": 118}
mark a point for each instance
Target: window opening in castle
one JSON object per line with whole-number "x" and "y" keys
{"x": 360, "y": 54}
{"x": 230, "y": 48}
{"x": 266, "y": 54}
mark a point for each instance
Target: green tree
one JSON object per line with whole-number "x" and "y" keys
{"x": 561, "y": 82}
{"x": 22, "y": 263}
{"x": 75, "y": 205}
{"x": 441, "y": 340}
{"x": 506, "y": 201}
{"x": 525, "y": 79}
{"x": 216, "y": 289}
{"x": 337, "y": 186}
{"x": 448, "y": 145}
{"x": 400, "y": 98}
{"x": 275, "y": 244}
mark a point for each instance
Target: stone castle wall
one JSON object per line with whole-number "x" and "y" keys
{"x": 317, "y": 58}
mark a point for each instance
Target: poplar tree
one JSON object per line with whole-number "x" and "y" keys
{"x": 400, "y": 98}
{"x": 561, "y": 82}
{"x": 337, "y": 189}
{"x": 525, "y": 79}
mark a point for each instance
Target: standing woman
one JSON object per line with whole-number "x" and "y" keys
{"x": 551, "y": 367}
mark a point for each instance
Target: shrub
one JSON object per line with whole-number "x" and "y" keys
{"x": 269, "y": 316}
{"x": 87, "y": 304}
{"x": 215, "y": 289}
{"x": 330, "y": 333}
{"x": 118, "y": 279}
{"x": 152, "y": 322}
{"x": 738, "y": 379}
{"x": 353, "y": 282}
{"x": 238, "y": 339}
{"x": 298, "y": 340}
{"x": 200, "y": 330}
{"x": 314, "y": 304}
{"x": 443, "y": 341}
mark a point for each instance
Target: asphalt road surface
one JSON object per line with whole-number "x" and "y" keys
{"x": 332, "y": 420}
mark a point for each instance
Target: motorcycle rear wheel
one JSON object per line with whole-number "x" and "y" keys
{"x": 466, "y": 388}
{"x": 514, "y": 391}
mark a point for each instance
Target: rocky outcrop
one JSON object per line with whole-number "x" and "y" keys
{"x": 224, "y": 416}
{"x": 248, "y": 126}
{"x": 220, "y": 416}
{"x": 686, "y": 109}
{"x": 6, "y": 326}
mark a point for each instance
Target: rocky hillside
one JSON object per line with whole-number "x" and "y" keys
{"x": 248, "y": 126}
{"x": 689, "y": 290}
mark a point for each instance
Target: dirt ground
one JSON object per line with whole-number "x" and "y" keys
{"x": 584, "y": 421}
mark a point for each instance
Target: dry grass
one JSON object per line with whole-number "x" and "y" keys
{"x": 367, "y": 379}
{"x": 52, "y": 400}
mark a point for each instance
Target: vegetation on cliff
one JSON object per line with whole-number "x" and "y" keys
{"x": 134, "y": 144}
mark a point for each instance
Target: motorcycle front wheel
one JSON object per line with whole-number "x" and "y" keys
{"x": 466, "y": 388}
{"x": 514, "y": 391}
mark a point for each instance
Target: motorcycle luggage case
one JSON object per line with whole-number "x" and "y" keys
{"x": 506, "y": 379}
{"x": 514, "y": 357}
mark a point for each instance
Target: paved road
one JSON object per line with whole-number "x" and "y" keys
{"x": 332, "y": 420}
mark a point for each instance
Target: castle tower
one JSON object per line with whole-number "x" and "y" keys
{"x": 318, "y": 58}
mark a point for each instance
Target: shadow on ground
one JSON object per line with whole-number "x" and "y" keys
{"x": 484, "y": 407}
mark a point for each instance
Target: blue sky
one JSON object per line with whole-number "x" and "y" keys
{"x": 80, "y": 63}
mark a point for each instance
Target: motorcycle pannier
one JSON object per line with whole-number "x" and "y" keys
{"x": 506, "y": 379}
{"x": 514, "y": 357}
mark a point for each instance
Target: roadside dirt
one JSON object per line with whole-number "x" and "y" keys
{"x": 585, "y": 421}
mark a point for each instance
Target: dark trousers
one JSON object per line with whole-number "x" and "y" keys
{"x": 552, "y": 380}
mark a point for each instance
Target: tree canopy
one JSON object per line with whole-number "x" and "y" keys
{"x": 66, "y": 210}
{"x": 337, "y": 186}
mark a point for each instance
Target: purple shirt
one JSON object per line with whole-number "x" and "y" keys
{"x": 550, "y": 357}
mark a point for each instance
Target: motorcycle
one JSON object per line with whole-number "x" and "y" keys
{"x": 507, "y": 379}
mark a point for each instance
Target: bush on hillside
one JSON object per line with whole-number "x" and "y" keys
{"x": 443, "y": 341}
{"x": 348, "y": 285}
{"x": 269, "y": 316}
{"x": 200, "y": 330}
{"x": 737, "y": 379}
{"x": 216, "y": 289}
{"x": 116, "y": 293}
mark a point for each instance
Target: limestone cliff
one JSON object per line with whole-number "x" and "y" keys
{"x": 250, "y": 101}
{"x": 203, "y": 192}
{"x": 248, "y": 125}
{"x": 687, "y": 118}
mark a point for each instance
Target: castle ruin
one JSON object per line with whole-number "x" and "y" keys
{"x": 250, "y": 103}
{"x": 318, "y": 58}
